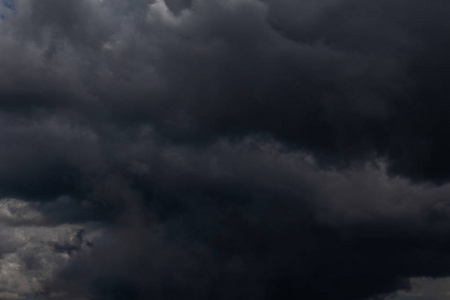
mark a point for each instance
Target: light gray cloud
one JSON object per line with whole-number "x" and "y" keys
{"x": 426, "y": 288}
{"x": 31, "y": 253}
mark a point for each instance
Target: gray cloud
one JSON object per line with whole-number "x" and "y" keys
{"x": 222, "y": 149}
{"x": 32, "y": 253}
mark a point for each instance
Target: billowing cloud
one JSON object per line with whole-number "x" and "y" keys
{"x": 223, "y": 149}
{"x": 31, "y": 252}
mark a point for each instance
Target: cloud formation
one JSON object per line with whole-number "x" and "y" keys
{"x": 222, "y": 149}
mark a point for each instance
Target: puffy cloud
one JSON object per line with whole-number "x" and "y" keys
{"x": 222, "y": 149}
{"x": 32, "y": 253}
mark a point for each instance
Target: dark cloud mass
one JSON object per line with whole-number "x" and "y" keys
{"x": 224, "y": 149}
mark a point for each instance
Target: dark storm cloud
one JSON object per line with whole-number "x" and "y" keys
{"x": 223, "y": 149}
{"x": 265, "y": 224}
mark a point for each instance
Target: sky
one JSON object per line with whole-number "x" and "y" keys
{"x": 224, "y": 149}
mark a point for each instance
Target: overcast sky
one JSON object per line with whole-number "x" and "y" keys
{"x": 224, "y": 149}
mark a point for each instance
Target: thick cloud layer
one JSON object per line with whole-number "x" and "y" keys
{"x": 223, "y": 149}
